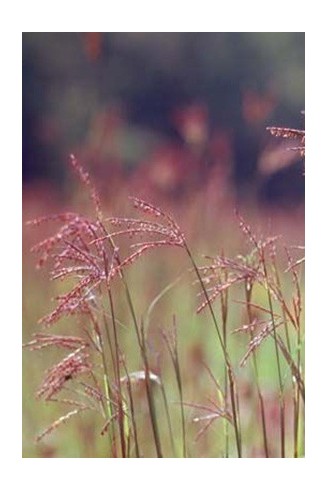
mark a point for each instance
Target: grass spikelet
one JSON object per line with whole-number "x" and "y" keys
{"x": 74, "y": 364}
{"x": 290, "y": 133}
{"x": 61, "y": 420}
{"x": 256, "y": 341}
{"x": 42, "y": 340}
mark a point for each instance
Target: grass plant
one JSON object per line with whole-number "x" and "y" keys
{"x": 131, "y": 373}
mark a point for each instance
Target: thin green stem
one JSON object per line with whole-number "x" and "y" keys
{"x": 284, "y": 315}
{"x": 224, "y": 316}
{"x": 134, "y": 425}
{"x": 166, "y": 405}
{"x": 248, "y": 295}
{"x": 108, "y": 391}
{"x": 173, "y": 351}
{"x": 281, "y": 391}
{"x": 118, "y": 375}
{"x": 226, "y": 357}
{"x": 150, "y": 397}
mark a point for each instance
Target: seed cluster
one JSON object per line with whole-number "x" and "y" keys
{"x": 75, "y": 363}
{"x": 83, "y": 254}
{"x": 42, "y": 340}
{"x": 290, "y": 133}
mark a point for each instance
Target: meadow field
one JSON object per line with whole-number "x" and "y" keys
{"x": 163, "y": 244}
{"x": 198, "y": 350}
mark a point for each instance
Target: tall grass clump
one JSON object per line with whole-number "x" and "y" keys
{"x": 131, "y": 400}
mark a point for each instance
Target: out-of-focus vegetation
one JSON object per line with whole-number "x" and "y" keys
{"x": 162, "y": 103}
{"x": 178, "y": 119}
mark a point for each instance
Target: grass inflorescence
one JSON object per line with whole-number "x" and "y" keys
{"x": 142, "y": 402}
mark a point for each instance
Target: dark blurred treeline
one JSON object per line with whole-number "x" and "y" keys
{"x": 166, "y": 105}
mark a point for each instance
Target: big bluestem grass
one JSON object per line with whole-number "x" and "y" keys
{"x": 92, "y": 256}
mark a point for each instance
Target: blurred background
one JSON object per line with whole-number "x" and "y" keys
{"x": 178, "y": 119}
{"x": 171, "y": 110}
